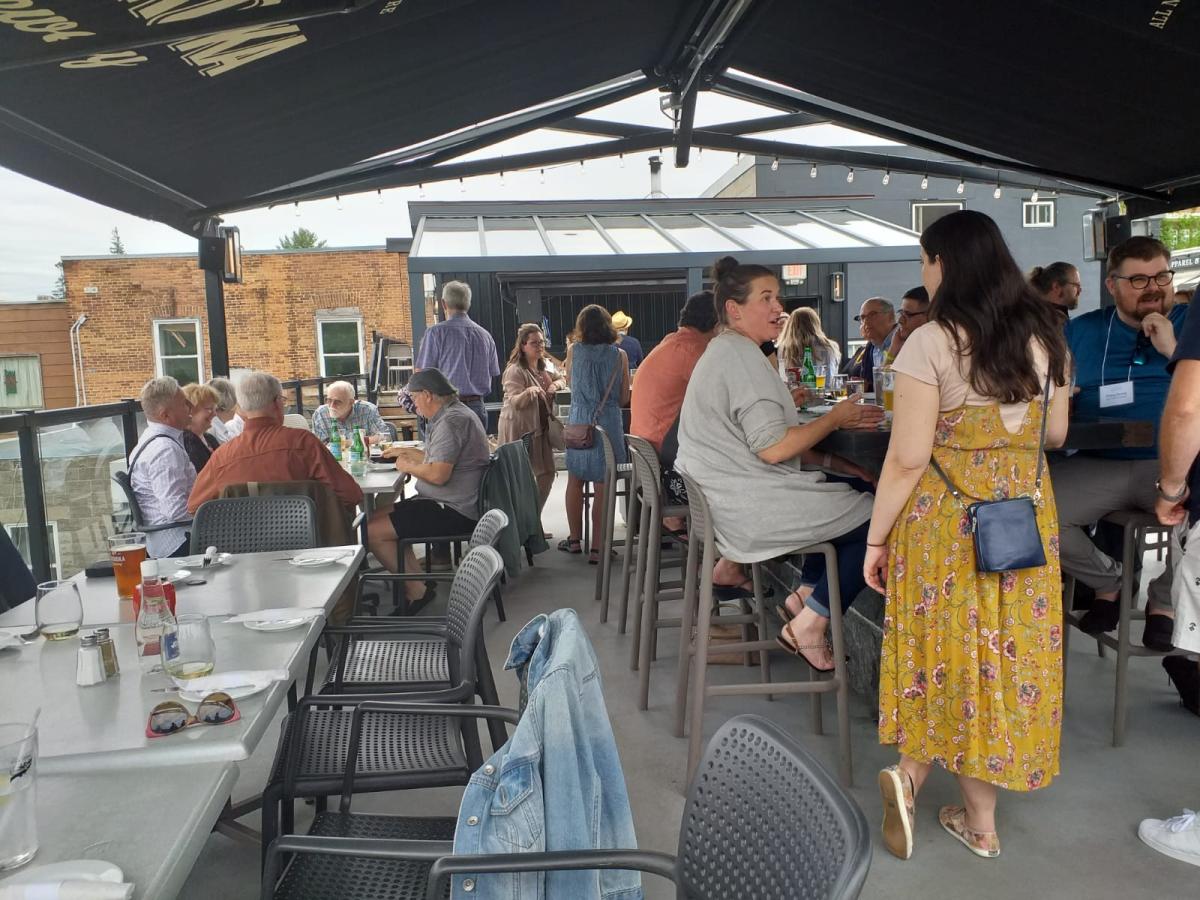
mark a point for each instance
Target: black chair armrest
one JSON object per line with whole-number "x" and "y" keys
{"x": 377, "y": 625}
{"x": 653, "y": 862}
{"x": 149, "y": 528}
{"x": 406, "y": 576}
{"x": 368, "y": 848}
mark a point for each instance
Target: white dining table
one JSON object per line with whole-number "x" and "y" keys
{"x": 155, "y": 840}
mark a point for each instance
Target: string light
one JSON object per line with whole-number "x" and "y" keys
{"x": 297, "y": 209}
{"x": 996, "y": 193}
{"x": 961, "y": 186}
{"x": 620, "y": 160}
{"x": 812, "y": 172}
{"x": 738, "y": 158}
{"x": 775, "y": 164}
{"x": 462, "y": 188}
{"x": 501, "y": 179}
{"x": 924, "y": 182}
{"x": 1033, "y": 198}
{"x": 542, "y": 175}
{"x": 850, "y": 177}
{"x": 379, "y": 194}
{"x": 338, "y": 197}
{"x": 887, "y": 177}
{"x": 421, "y": 191}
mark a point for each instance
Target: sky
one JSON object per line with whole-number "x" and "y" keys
{"x": 40, "y": 224}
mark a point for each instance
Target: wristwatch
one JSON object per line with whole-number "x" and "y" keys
{"x": 1170, "y": 498}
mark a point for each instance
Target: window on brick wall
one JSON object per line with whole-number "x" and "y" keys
{"x": 20, "y": 538}
{"x": 340, "y": 346}
{"x": 177, "y": 350}
{"x": 20, "y": 383}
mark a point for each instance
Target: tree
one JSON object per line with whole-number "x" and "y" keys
{"x": 300, "y": 239}
{"x": 59, "y": 291}
{"x": 1181, "y": 232}
{"x": 115, "y": 246}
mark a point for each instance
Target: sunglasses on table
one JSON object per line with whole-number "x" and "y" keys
{"x": 171, "y": 716}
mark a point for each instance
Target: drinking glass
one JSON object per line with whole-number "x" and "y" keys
{"x": 127, "y": 552}
{"x": 192, "y": 654}
{"x": 855, "y": 386}
{"x": 18, "y": 794}
{"x": 58, "y": 610}
{"x": 885, "y": 391}
{"x": 837, "y": 384}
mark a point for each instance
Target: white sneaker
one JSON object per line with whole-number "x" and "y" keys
{"x": 1178, "y": 838}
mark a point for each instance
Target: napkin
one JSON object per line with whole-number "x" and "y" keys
{"x": 67, "y": 890}
{"x": 279, "y": 614}
{"x": 209, "y": 683}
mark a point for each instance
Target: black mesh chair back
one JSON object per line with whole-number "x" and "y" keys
{"x": 135, "y": 508}
{"x": 763, "y": 819}
{"x": 488, "y": 529}
{"x": 256, "y": 524}
{"x": 474, "y": 581}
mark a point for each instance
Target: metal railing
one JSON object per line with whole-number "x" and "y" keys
{"x": 27, "y": 427}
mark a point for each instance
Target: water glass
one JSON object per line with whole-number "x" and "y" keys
{"x": 58, "y": 610}
{"x": 18, "y": 794}
{"x": 193, "y": 654}
{"x": 837, "y": 384}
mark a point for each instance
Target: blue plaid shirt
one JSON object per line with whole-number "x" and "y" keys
{"x": 363, "y": 415}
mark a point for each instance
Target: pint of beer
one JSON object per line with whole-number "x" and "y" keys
{"x": 127, "y": 552}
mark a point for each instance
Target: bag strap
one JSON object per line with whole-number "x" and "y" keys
{"x": 958, "y": 495}
{"x": 607, "y": 390}
{"x": 138, "y": 452}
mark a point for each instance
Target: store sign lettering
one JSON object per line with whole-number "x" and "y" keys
{"x": 1161, "y": 15}
{"x": 22, "y": 16}
{"x": 164, "y": 12}
{"x": 223, "y": 51}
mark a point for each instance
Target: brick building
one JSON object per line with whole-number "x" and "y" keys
{"x": 298, "y": 314}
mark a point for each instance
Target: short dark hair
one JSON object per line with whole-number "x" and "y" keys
{"x": 918, "y": 293}
{"x": 732, "y": 282}
{"x": 595, "y": 326}
{"x": 1044, "y": 278}
{"x": 1137, "y": 247}
{"x": 699, "y": 312}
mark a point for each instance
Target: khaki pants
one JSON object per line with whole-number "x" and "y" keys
{"x": 1087, "y": 488}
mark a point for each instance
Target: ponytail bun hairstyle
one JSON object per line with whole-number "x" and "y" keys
{"x": 731, "y": 281}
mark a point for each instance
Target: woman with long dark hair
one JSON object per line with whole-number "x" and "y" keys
{"x": 971, "y": 668}
{"x": 529, "y": 390}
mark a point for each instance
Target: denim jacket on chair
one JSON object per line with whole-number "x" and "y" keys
{"x": 557, "y": 783}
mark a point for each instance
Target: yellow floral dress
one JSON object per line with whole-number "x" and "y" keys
{"x": 971, "y": 668}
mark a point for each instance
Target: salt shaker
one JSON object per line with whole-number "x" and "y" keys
{"x": 108, "y": 652}
{"x": 89, "y": 665}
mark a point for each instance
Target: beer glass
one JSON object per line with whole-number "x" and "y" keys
{"x": 885, "y": 387}
{"x": 127, "y": 552}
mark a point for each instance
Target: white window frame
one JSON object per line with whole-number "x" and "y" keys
{"x": 334, "y": 320}
{"x": 55, "y": 547}
{"x": 929, "y": 204}
{"x": 1027, "y": 205}
{"x": 158, "y": 357}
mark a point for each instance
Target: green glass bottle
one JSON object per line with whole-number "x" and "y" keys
{"x": 810, "y": 372}
{"x": 335, "y": 442}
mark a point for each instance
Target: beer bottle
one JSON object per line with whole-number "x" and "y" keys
{"x": 810, "y": 372}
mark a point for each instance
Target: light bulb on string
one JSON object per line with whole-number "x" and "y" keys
{"x": 542, "y": 176}
{"x": 338, "y": 197}
{"x": 738, "y": 158}
{"x": 421, "y": 191}
{"x": 297, "y": 209}
{"x": 1033, "y": 198}
{"x": 997, "y": 192}
{"x": 850, "y": 177}
{"x": 501, "y": 179}
{"x": 775, "y": 164}
{"x": 462, "y": 187}
{"x": 379, "y": 194}
{"x": 924, "y": 182}
{"x": 887, "y": 177}
{"x": 962, "y": 186}
{"x": 620, "y": 160}
{"x": 812, "y": 171}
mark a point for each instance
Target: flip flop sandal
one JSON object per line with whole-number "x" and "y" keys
{"x": 981, "y": 843}
{"x": 566, "y": 545}
{"x": 896, "y": 788}
{"x": 792, "y": 646}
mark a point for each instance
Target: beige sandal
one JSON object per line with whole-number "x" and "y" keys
{"x": 981, "y": 843}
{"x": 896, "y": 787}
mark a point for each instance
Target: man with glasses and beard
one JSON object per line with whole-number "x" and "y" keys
{"x": 914, "y": 312}
{"x": 1120, "y": 356}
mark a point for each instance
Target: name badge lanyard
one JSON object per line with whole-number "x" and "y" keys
{"x": 1117, "y": 394}
{"x": 1104, "y": 361}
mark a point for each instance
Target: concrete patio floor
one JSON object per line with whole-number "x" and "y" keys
{"x": 1074, "y": 839}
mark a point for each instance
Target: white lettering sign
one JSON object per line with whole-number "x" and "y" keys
{"x": 223, "y": 51}
{"x": 21, "y": 15}
{"x": 162, "y": 12}
{"x": 1160, "y": 16}
{"x": 124, "y": 58}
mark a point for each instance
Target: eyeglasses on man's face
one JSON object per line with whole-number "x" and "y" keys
{"x": 912, "y": 314}
{"x": 1141, "y": 282}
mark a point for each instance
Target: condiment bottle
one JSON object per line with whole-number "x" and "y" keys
{"x": 89, "y": 664}
{"x": 108, "y": 651}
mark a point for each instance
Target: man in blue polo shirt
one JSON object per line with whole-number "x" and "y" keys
{"x": 1120, "y": 357}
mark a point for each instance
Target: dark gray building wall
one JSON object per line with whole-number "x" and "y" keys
{"x": 894, "y": 203}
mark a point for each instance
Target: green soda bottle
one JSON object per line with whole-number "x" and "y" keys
{"x": 358, "y": 453}
{"x": 810, "y": 372}
{"x": 335, "y": 442}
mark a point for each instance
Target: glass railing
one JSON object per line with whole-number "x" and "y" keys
{"x": 58, "y": 501}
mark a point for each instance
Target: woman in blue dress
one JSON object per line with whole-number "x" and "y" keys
{"x": 595, "y": 365}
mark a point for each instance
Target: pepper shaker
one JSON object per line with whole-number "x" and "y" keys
{"x": 108, "y": 652}
{"x": 89, "y": 664}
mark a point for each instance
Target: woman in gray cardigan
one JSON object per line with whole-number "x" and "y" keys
{"x": 741, "y": 440}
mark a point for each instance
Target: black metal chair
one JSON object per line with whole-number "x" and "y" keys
{"x": 396, "y": 752}
{"x": 763, "y": 819}
{"x": 135, "y": 509}
{"x": 487, "y": 532}
{"x": 256, "y": 524}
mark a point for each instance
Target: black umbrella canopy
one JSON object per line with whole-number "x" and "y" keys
{"x": 169, "y": 109}
{"x": 236, "y": 97}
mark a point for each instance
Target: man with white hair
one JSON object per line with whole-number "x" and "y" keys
{"x": 341, "y": 407}
{"x": 463, "y": 351}
{"x": 267, "y": 451}
{"x": 159, "y": 469}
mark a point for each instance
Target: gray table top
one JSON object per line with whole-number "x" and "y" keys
{"x": 90, "y": 816}
{"x": 103, "y": 727}
{"x": 250, "y": 581}
{"x": 381, "y": 481}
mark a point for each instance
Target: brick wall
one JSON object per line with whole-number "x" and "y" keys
{"x": 270, "y": 318}
{"x": 41, "y": 329}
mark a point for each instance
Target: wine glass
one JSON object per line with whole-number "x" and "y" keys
{"x": 192, "y": 654}
{"x": 58, "y": 610}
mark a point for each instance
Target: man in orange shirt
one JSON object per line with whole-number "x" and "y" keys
{"x": 662, "y": 378}
{"x": 267, "y": 451}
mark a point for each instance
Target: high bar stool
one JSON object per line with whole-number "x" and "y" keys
{"x": 617, "y": 477}
{"x": 700, "y": 534}
{"x": 1135, "y": 525}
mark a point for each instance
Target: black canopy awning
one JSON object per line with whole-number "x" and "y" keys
{"x": 176, "y": 109}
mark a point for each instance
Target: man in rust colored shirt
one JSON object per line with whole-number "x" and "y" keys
{"x": 268, "y": 451}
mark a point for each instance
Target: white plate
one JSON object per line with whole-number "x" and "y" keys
{"x": 236, "y": 693}
{"x": 177, "y": 576}
{"x": 314, "y": 562}
{"x": 278, "y": 624}
{"x": 69, "y": 870}
{"x": 197, "y": 562}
